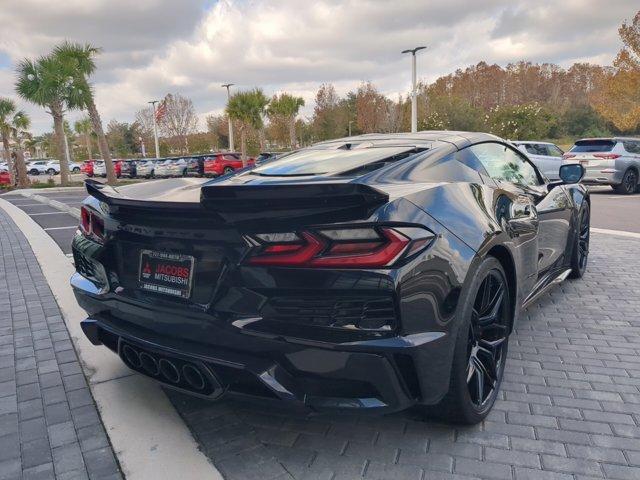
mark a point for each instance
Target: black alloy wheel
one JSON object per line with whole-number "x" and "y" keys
{"x": 227, "y": 170}
{"x": 480, "y": 348}
{"x": 580, "y": 255}
{"x": 629, "y": 183}
{"x": 486, "y": 346}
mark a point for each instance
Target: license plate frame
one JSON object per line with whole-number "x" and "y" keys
{"x": 174, "y": 282}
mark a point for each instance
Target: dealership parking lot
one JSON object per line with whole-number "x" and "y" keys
{"x": 569, "y": 406}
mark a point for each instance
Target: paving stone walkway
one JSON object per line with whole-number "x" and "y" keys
{"x": 49, "y": 424}
{"x": 569, "y": 407}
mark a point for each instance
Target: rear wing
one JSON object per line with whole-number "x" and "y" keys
{"x": 311, "y": 202}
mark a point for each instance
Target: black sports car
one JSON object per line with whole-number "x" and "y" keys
{"x": 373, "y": 272}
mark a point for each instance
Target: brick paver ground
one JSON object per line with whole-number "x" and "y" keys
{"x": 569, "y": 407}
{"x": 49, "y": 425}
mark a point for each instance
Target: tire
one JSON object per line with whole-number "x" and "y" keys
{"x": 51, "y": 171}
{"x": 34, "y": 171}
{"x": 472, "y": 393}
{"x": 629, "y": 183}
{"x": 580, "y": 253}
{"x": 227, "y": 170}
{"x": 184, "y": 172}
{"x": 76, "y": 170}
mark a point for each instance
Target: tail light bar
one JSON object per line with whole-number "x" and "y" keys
{"x": 343, "y": 247}
{"x": 568, "y": 155}
{"x": 606, "y": 156}
{"x": 91, "y": 225}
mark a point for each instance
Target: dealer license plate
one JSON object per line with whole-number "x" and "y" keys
{"x": 166, "y": 273}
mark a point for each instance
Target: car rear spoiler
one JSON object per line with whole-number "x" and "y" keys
{"x": 339, "y": 201}
{"x": 315, "y": 202}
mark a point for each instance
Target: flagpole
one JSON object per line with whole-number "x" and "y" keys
{"x": 155, "y": 127}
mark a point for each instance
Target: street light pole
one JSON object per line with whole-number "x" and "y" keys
{"x": 155, "y": 127}
{"x": 414, "y": 93}
{"x": 227, "y": 86}
{"x": 350, "y": 122}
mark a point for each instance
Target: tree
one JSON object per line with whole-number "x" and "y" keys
{"x": 371, "y": 109}
{"x": 83, "y": 128}
{"x": 285, "y": 108}
{"x": 618, "y": 99}
{"x": 327, "y": 121}
{"x": 48, "y": 82}
{"x": 521, "y": 122}
{"x": 180, "y": 119}
{"x": 80, "y": 60}
{"x": 248, "y": 109}
{"x": 218, "y": 128}
{"x": 12, "y": 123}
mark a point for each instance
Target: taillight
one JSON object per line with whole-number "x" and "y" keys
{"x": 91, "y": 224}
{"x": 606, "y": 156}
{"x": 344, "y": 247}
{"x": 568, "y": 155}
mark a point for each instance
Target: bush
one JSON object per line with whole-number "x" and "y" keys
{"x": 522, "y": 122}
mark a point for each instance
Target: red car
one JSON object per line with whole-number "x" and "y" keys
{"x": 224, "y": 163}
{"x": 87, "y": 168}
{"x": 5, "y": 178}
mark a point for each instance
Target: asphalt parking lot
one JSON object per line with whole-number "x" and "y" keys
{"x": 569, "y": 407}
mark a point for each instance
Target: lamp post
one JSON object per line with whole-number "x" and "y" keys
{"x": 414, "y": 99}
{"x": 350, "y": 122}
{"x": 155, "y": 127}
{"x": 228, "y": 86}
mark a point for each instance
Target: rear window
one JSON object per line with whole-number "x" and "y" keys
{"x": 586, "y": 146}
{"x": 332, "y": 161}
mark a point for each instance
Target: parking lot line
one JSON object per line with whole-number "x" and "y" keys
{"x": 47, "y": 213}
{"x": 59, "y": 228}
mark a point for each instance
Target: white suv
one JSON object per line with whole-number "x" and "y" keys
{"x": 608, "y": 161}
{"x": 50, "y": 167}
{"x": 546, "y": 156}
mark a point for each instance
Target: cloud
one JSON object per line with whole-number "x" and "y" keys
{"x": 151, "y": 47}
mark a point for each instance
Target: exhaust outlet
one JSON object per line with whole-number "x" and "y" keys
{"x": 169, "y": 370}
{"x": 149, "y": 364}
{"x": 132, "y": 356}
{"x": 193, "y": 377}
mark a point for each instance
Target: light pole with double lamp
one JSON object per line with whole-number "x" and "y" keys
{"x": 227, "y": 86}
{"x": 414, "y": 94}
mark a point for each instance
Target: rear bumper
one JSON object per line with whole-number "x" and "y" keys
{"x": 386, "y": 374}
{"x": 602, "y": 176}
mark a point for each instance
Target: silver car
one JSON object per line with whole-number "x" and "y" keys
{"x": 611, "y": 161}
{"x": 146, "y": 168}
{"x": 545, "y": 155}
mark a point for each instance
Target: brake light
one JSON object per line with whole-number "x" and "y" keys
{"x": 568, "y": 155}
{"x": 368, "y": 247}
{"x": 606, "y": 156}
{"x": 91, "y": 225}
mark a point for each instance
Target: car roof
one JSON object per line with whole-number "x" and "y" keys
{"x": 531, "y": 142}
{"x": 613, "y": 139}
{"x": 419, "y": 139}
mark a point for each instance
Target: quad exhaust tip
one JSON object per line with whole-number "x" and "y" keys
{"x": 149, "y": 364}
{"x": 193, "y": 377}
{"x": 165, "y": 369}
{"x": 169, "y": 370}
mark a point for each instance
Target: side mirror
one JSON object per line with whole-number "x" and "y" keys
{"x": 569, "y": 173}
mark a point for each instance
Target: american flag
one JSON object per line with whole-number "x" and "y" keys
{"x": 161, "y": 111}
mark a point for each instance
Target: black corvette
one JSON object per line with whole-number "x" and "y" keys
{"x": 374, "y": 272}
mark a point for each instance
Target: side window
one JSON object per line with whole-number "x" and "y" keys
{"x": 504, "y": 164}
{"x": 632, "y": 146}
{"x": 230, "y": 158}
{"x": 553, "y": 151}
{"x": 535, "y": 149}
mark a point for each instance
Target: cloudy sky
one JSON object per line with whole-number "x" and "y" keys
{"x": 152, "y": 47}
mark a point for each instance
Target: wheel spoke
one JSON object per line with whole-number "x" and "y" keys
{"x": 496, "y": 303}
{"x": 480, "y": 384}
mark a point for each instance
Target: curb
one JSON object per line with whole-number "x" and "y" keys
{"x": 73, "y": 211}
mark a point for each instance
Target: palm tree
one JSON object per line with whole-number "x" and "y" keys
{"x": 248, "y": 109}
{"x": 48, "y": 82}
{"x": 81, "y": 59}
{"x": 83, "y": 127}
{"x": 20, "y": 134}
{"x": 13, "y": 121}
{"x": 287, "y": 107}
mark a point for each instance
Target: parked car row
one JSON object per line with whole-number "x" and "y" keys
{"x": 48, "y": 166}
{"x": 209, "y": 165}
{"x": 613, "y": 161}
